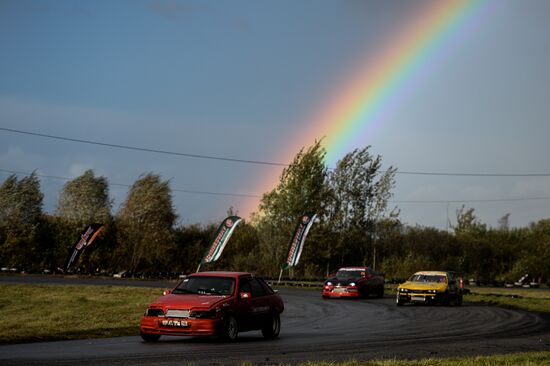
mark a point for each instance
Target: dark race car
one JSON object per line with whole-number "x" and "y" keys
{"x": 354, "y": 282}
{"x": 214, "y": 303}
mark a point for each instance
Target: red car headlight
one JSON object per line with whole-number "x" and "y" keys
{"x": 204, "y": 314}
{"x": 154, "y": 312}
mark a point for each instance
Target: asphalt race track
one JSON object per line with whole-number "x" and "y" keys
{"x": 312, "y": 329}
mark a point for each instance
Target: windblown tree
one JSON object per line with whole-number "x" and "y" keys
{"x": 478, "y": 257}
{"x": 20, "y": 222}
{"x": 536, "y": 251}
{"x": 146, "y": 225}
{"x": 467, "y": 222}
{"x": 360, "y": 192}
{"x": 301, "y": 189}
{"x": 83, "y": 201}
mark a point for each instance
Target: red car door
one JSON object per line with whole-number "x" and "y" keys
{"x": 244, "y": 304}
{"x": 261, "y": 306}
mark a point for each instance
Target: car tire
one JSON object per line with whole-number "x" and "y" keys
{"x": 380, "y": 292}
{"x": 445, "y": 300}
{"x": 148, "y": 337}
{"x": 272, "y": 327}
{"x": 230, "y": 329}
{"x": 399, "y": 302}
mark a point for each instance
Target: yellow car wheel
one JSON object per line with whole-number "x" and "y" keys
{"x": 399, "y": 302}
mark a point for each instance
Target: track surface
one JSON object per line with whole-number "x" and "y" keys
{"x": 312, "y": 329}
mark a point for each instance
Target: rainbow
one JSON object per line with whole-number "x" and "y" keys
{"x": 376, "y": 89}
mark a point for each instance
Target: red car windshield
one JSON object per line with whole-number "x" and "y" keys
{"x": 206, "y": 285}
{"x": 350, "y": 274}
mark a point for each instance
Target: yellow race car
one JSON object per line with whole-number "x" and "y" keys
{"x": 438, "y": 287}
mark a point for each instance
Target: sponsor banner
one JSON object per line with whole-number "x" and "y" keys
{"x": 224, "y": 232}
{"x": 86, "y": 238}
{"x": 297, "y": 243}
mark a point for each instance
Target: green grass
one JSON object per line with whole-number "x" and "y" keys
{"x": 515, "y": 359}
{"x": 529, "y": 299}
{"x": 56, "y": 312}
{"x": 537, "y": 300}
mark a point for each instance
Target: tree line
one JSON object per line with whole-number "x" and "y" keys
{"x": 355, "y": 226}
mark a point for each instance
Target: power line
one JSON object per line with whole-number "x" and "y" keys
{"x": 473, "y": 201}
{"x": 475, "y": 174}
{"x": 258, "y": 162}
{"x": 245, "y": 195}
{"x": 135, "y": 148}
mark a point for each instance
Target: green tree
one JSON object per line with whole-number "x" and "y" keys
{"x": 145, "y": 225}
{"x": 478, "y": 254}
{"x": 190, "y": 243}
{"x": 301, "y": 189}
{"x": 83, "y": 201}
{"x": 20, "y": 203}
{"x": 504, "y": 222}
{"x": 359, "y": 207}
{"x": 533, "y": 253}
{"x": 21, "y": 218}
{"x": 241, "y": 253}
{"x": 468, "y": 223}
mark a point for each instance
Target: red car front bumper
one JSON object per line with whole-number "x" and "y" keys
{"x": 342, "y": 291}
{"x": 179, "y": 326}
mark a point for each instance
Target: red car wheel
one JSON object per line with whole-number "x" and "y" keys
{"x": 230, "y": 330}
{"x": 272, "y": 328}
{"x": 149, "y": 337}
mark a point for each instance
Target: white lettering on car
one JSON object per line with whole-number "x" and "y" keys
{"x": 260, "y": 309}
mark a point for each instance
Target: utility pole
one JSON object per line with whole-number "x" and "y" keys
{"x": 374, "y": 253}
{"x": 374, "y": 240}
{"x": 448, "y": 222}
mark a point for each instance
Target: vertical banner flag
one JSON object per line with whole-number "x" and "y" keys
{"x": 86, "y": 238}
{"x": 297, "y": 243}
{"x": 224, "y": 232}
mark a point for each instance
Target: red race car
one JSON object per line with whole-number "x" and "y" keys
{"x": 354, "y": 282}
{"x": 214, "y": 303}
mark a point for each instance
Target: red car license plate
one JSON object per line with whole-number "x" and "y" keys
{"x": 173, "y": 323}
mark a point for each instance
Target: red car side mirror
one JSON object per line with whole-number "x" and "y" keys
{"x": 167, "y": 292}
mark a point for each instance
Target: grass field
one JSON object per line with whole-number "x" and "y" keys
{"x": 529, "y": 299}
{"x": 518, "y": 298}
{"x": 54, "y": 312}
{"x": 515, "y": 359}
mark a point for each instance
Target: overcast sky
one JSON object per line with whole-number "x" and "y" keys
{"x": 237, "y": 79}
